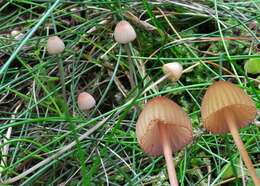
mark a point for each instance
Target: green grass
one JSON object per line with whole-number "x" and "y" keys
{"x": 218, "y": 35}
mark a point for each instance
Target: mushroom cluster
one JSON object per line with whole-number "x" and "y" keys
{"x": 226, "y": 108}
{"x": 163, "y": 127}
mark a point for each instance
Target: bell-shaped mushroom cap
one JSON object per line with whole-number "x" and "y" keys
{"x": 124, "y": 32}
{"x": 174, "y": 70}
{"x": 86, "y": 101}
{"x": 223, "y": 96}
{"x": 162, "y": 111}
{"x": 55, "y": 45}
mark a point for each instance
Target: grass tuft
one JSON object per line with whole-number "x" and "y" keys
{"x": 45, "y": 140}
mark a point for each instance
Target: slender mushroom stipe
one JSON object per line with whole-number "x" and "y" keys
{"x": 162, "y": 128}
{"x": 226, "y": 108}
{"x": 124, "y": 34}
{"x": 55, "y": 46}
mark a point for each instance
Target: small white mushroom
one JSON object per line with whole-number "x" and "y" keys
{"x": 86, "y": 101}
{"x": 17, "y": 34}
{"x": 55, "y": 45}
{"x": 124, "y": 32}
{"x": 173, "y": 70}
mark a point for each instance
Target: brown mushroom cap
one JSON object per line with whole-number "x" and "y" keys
{"x": 162, "y": 111}
{"x": 223, "y": 96}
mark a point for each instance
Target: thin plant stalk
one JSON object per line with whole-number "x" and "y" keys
{"x": 131, "y": 66}
{"x": 5, "y": 148}
{"x": 167, "y": 75}
{"x": 239, "y": 143}
{"x": 167, "y": 150}
{"x": 62, "y": 79}
{"x": 4, "y": 67}
{"x": 56, "y": 155}
{"x": 156, "y": 83}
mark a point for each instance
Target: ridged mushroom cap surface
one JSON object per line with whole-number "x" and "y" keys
{"x": 124, "y": 32}
{"x": 222, "y": 97}
{"x": 165, "y": 112}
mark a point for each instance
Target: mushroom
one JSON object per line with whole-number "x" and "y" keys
{"x": 17, "y": 34}
{"x": 86, "y": 101}
{"x": 124, "y": 34}
{"x": 162, "y": 128}
{"x": 173, "y": 71}
{"x": 56, "y": 46}
{"x": 226, "y": 108}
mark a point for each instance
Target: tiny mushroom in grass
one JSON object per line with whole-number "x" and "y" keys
{"x": 17, "y": 34}
{"x": 55, "y": 45}
{"x": 124, "y": 32}
{"x": 173, "y": 70}
{"x": 86, "y": 101}
{"x": 162, "y": 128}
{"x": 226, "y": 108}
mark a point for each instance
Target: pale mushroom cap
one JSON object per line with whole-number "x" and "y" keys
{"x": 223, "y": 96}
{"x": 17, "y": 34}
{"x": 161, "y": 110}
{"x": 55, "y": 45}
{"x": 86, "y": 101}
{"x": 124, "y": 32}
{"x": 174, "y": 70}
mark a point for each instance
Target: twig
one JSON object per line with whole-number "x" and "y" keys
{"x": 144, "y": 24}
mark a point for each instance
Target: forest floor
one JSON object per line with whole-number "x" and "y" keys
{"x": 46, "y": 140}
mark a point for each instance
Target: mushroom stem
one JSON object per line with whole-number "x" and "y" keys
{"x": 62, "y": 79}
{"x": 131, "y": 66}
{"x": 234, "y": 132}
{"x": 156, "y": 83}
{"x": 167, "y": 150}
